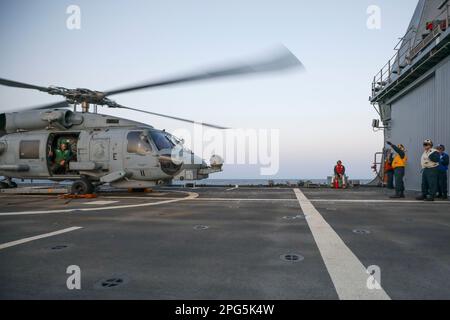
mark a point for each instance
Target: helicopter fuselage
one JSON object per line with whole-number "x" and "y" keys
{"x": 103, "y": 148}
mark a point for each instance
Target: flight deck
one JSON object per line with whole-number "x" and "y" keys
{"x": 225, "y": 243}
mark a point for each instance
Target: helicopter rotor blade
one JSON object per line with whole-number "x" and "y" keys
{"x": 16, "y": 84}
{"x": 170, "y": 117}
{"x": 283, "y": 60}
{"x": 55, "y": 105}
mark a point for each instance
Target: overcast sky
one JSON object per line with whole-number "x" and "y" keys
{"x": 323, "y": 115}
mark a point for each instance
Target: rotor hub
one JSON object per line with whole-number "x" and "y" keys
{"x": 81, "y": 95}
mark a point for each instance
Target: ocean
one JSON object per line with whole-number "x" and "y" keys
{"x": 222, "y": 182}
{"x": 257, "y": 182}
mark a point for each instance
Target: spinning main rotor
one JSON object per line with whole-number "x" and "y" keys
{"x": 283, "y": 60}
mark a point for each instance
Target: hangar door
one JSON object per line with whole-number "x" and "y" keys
{"x": 414, "y": 118}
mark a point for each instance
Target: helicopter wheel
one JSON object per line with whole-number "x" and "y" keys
{"x": 82, "y": 186}
{"x": 4, "y": 185}
{"x": 12, "y": 184}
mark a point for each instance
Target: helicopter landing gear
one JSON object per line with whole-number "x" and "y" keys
{"x": 8, "y": 184}
{"x": 82, "y": 186}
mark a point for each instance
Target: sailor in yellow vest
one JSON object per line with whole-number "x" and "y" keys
{"x": 399, "y": 165}
{"x": 430, "y": 163}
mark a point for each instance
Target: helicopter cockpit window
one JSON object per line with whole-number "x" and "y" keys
{"x": 29, "y": 149}
{"x": 138, "y": 143}
{"x": 161, "y": 140}
{"x": 174, "y": 139}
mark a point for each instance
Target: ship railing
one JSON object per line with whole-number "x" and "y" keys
{"x": 407, "y": 50}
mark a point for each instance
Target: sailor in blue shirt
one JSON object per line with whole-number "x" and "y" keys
{"x": 443, "y": 173}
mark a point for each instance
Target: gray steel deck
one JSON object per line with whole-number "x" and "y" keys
{"x": 152, "y": 243}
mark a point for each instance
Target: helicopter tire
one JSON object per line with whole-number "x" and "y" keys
{"x": 81, "y": 187}
{"x": 4, "y": 185}
{"x": 12, "y": 185}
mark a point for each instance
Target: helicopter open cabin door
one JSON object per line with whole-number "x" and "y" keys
{"x": 62, "y": 150}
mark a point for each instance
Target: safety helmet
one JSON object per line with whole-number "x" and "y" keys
{"x": 428, "y": 142}
{"x": 441, "y": 146}
{"x": 401, "y": 147}
{"x": 65, "y": 142}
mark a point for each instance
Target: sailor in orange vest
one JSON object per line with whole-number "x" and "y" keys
{"x": 399, "y": 165}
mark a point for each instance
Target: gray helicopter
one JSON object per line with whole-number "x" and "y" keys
{"x": 58, "y": 142}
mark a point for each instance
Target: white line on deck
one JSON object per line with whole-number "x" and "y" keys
{"x": 280, "y": 200}
{"x": 100, "y": 202}
{"x": 45, "y": 235}
{"x": 233, "y": 188}
{"x": 348, "y": 274}
{"x": 191, "y": 195}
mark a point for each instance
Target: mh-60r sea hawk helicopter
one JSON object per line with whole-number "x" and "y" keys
{"x": 101, "y": 148}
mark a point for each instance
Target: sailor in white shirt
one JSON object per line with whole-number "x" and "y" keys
{"x": 430, "y": 163}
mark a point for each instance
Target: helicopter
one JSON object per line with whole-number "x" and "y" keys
{"x": 103, "y": 149}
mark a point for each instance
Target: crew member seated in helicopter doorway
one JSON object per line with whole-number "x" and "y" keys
{"x": 399, "y": 164}
{"x": 339, "y": 175}
{"x": 430, "y": 163}
{"x": 443, "y": 173}
{"x": 62, "y": 157}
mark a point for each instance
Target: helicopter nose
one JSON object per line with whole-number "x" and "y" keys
{"x": 169, "y": 165}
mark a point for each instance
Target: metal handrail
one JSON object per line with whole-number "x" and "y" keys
{"x": 406, "y": 53}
